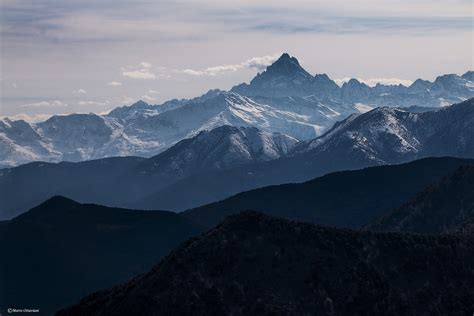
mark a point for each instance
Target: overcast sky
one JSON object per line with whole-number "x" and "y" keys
{"x": 60, "y": 57}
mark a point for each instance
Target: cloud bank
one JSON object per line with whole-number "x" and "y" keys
{"x": 141, "y": 71}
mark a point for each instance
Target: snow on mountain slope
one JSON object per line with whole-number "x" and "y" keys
{"x": 80, "y": 137}
{"x": 393, "y": 135}
{"x": 221, "y": 148}
{"x": 74, "y": 137}
{"x": 300, "y": 118}
{"x": 445, "y": 90}
{"x": 146, "y": 132}
{"x": 141, "y": 108}
{"x": 20, "y": 143}
{"x": 381, "y": 135}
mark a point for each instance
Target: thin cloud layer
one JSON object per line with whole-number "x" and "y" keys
{"x": 258, "y": 63}
{"x": 45, "y": 104}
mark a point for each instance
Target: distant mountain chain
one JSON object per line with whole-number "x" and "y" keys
{"x": 283, "y": 99}
{"x": 227, "y": 160}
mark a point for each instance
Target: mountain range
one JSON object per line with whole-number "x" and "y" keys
{"x": 227, "y": 160}
{"x": 121, "y": 180}
{"x": 284, "y": 98}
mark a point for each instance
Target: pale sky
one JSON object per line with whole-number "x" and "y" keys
{"x": 60, "y": 57}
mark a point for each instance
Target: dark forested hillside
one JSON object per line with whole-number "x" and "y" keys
{"x": 445, "y": 206}
{"x": 253, "y": 264}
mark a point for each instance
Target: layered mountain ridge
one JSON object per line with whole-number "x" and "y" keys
{"x": 227, "y": 160}
{"x": 284, "y": 98}
{"x": 347, "y": 198}
{"x": 113, "y": 181}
